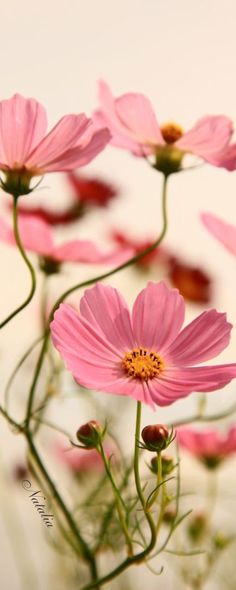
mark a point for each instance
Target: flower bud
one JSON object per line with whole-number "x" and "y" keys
{"x": 169, "y": 516}
{"x": 197, "y": 527}
{"x": 167, "y": 465}
{"x": 221, "y": 541}
{"x": 90, "y": 434}
{"x": 156, "y": 437}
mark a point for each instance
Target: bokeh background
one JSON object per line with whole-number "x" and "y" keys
{"x": 181, "y": 54}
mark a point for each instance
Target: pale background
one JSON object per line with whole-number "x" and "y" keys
{"x": 182, "y": 55}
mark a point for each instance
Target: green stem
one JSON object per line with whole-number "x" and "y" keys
{"x": 119, "y": 501}
{"x": 129, "y": 262}
{"x": 28, "y": 264}
{"x": 143, "y": 554}
{"x": 84, "y": 548}
{"x": 90, "y": 282}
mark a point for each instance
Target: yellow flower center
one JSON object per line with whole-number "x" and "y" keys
{"x": 142, "y": 363}
{"x": 171, "y": 132}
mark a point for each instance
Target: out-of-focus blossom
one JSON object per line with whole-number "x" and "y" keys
{"x": 91, "y": 190}
{"x": 209, "y": 446}
{"x": 83, "y": 460}
{"x": 37, "y": 236}
{"x": 223, "y": 231}
{"x": 193, "y": 283}
{"x": 26, "y": 150}
{"x": 226, "y": 158}
{"x": 88, "y": 192}
{"x": 134, "y": 127}
{"x": 145, "y": 356}
{"x": 160, "y": 254}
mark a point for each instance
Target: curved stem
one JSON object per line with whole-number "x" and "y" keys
{"x": 28, "y": 264}
{"x": 143, "y": 554}
{"x": 16, "y": 369}
{"x": 129, "y": 262}
{"x": 84, "y": 548}
{"x": 90, "y": 282}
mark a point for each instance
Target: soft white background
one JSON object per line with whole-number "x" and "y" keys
{"x": 182, "y": 55}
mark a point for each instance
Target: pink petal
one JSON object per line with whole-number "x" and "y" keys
{"x": 35, "y": 235}
{"x": 136, "y": 113}
{"x": 122, "y": 136}
{"x": 158, "y": 315}
{"x": 64, "y": 136}
{"x": 76, "y": 337}
{"x": 210, "y": 135}
{"x": 108, "y": 313}
{"x": 209, "y": 378}
{"x": 23, "y": 123}
{"x": 226, "y": 159}
{"x": 223, "y": 231}
{"x": 204, "y": 338}
{"x": 81, "y": 155}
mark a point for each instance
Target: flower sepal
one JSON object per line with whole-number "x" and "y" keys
{"x": 17, "y": 183}
{"x": 90, "y": 435}
{"x": 168, "y": 160}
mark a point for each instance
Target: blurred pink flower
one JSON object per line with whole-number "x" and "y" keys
{"x": 37, "y": 236}
{"x": 193, "y": 282}
{"x": 145, "y": 356}
{"x": 134, "y": 127}
{"x": 88, "y": 192}
{"x": 81, "y": 460}
{"x": 25, "y": 148}
{"x": 209, "y": 446}
{"x": 91, "y": 190}
{"x": 138, "y": 245}
{"x": 223, "y": 231}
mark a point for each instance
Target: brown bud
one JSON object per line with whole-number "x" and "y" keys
{"x": 155, "y": 437}
{"x": 90, "y": 434}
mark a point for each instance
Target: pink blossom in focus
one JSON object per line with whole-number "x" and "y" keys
{"x": 209, "y": 446}
{"x": 223, "y": 231}
{"x": 134, "y": 127}
{"x": 145, "y": 355}
{"x": 25, "y": 146}
{"x": 37, "y": 236}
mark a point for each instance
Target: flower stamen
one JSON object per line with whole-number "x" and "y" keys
{"x": 171, "y": 132}
{"x": 142, "y": 363}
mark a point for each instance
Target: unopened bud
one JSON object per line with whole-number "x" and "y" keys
{"x": 169, "y": 516}
{"x": 90, "y": 434}
{"x": 156, "y": 437}
{"x": 221, "y": 541}
{"x": 167, "y": 465}
{"x": 197, "y": 527}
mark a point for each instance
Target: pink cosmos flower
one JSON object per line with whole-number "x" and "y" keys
{"x": 26, "y": 149}
{"x": 223, "y": 231}
{"x": 208, "y": 446}
{"x": 134, "y": 127}
{"x": 37, "y": 236}
{"x": 145, "y": 356}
